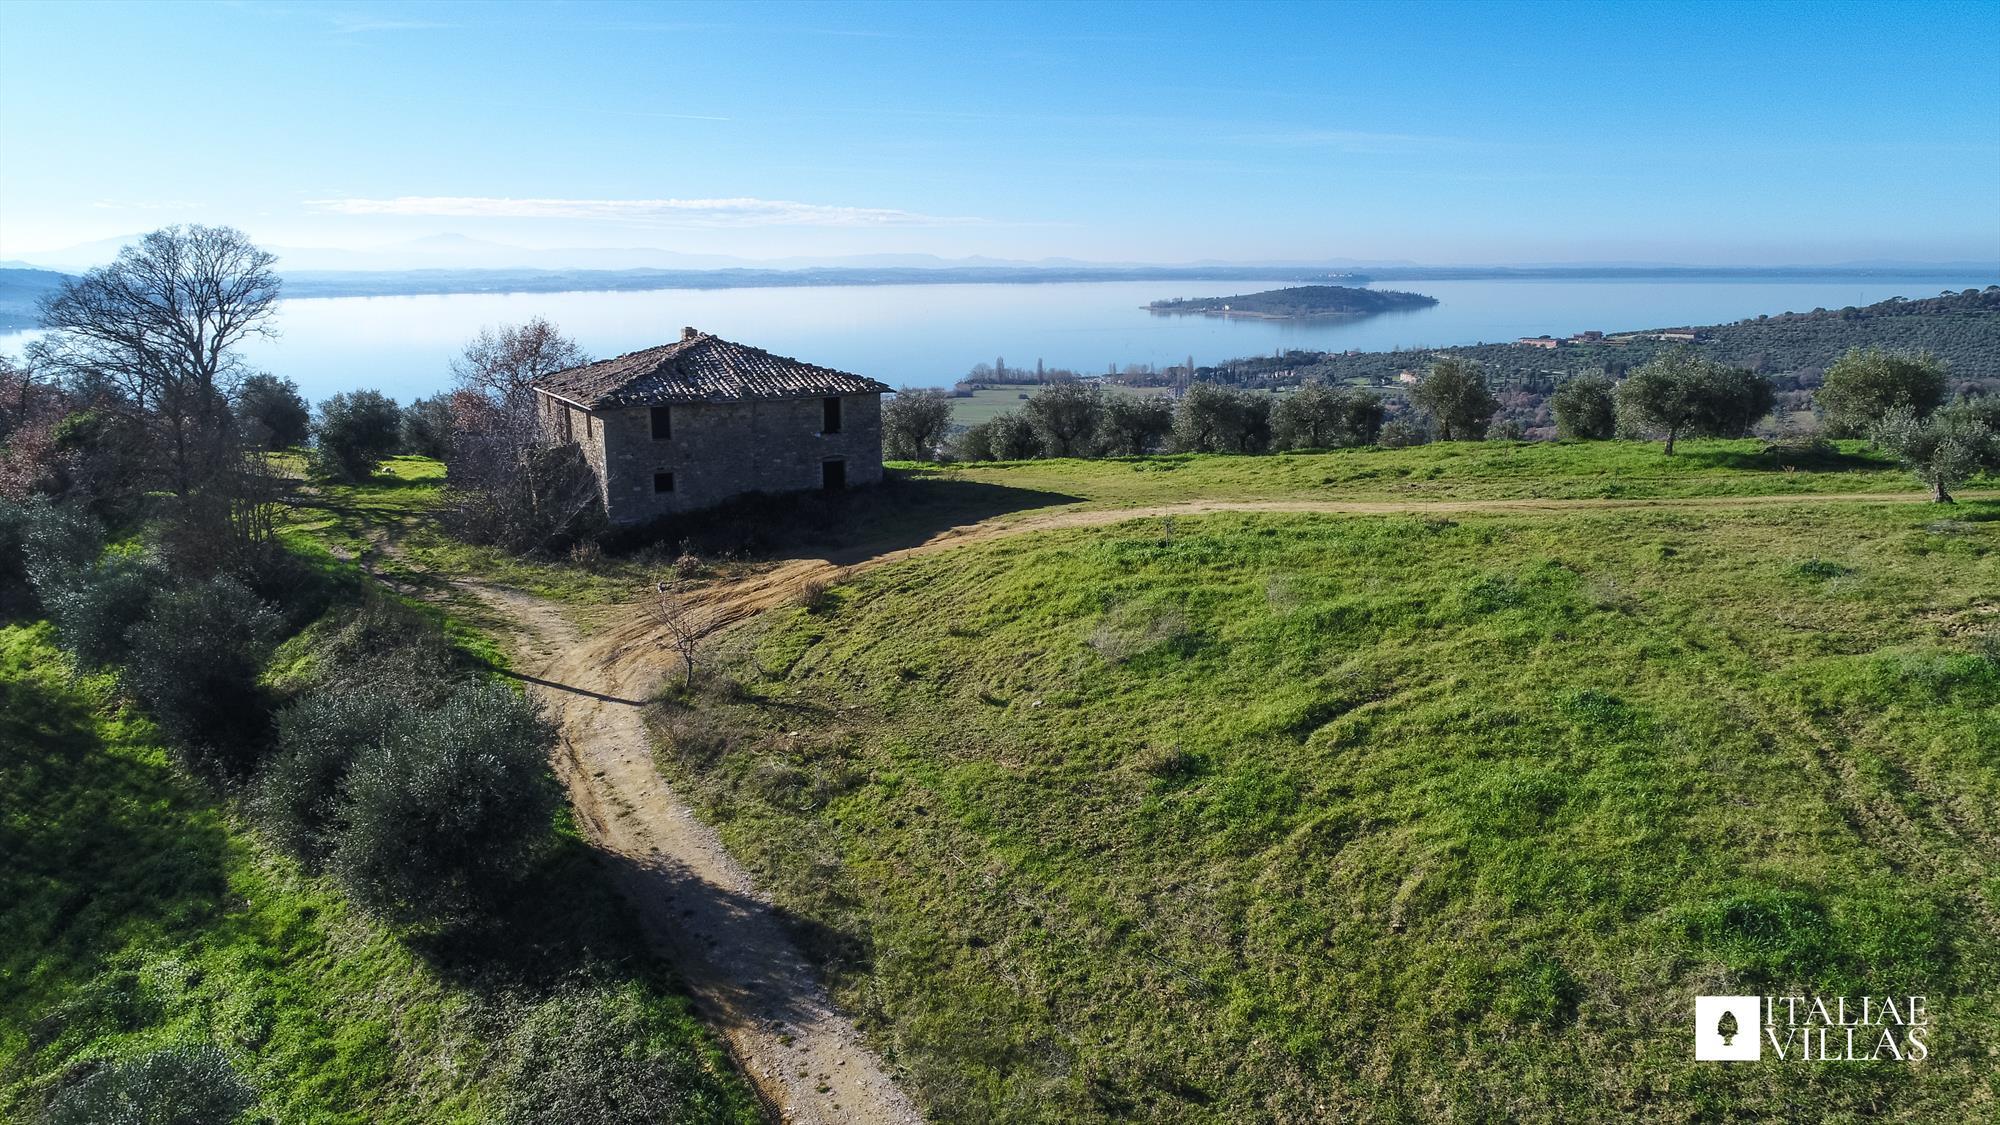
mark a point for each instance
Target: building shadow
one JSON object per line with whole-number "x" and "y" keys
{"x": 905, "y": 509}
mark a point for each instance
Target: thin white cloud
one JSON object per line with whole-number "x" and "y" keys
{"x": 1352, "y": 140}
{"x": 651, "y": 212}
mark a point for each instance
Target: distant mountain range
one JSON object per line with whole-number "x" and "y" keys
{"x": 313, "y": 273}
{"x": 457, "y": 252}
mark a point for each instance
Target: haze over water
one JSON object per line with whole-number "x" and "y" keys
{"x": 930, "y": 335}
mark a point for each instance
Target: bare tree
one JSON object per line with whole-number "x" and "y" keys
{"x": 684, "y": 622}
{"x": 517, "y": 487}
{"x": 160, "y": 326}
{"x": 502, "y": 364}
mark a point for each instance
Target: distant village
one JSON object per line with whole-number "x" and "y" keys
{"x": 1674, "y": 336}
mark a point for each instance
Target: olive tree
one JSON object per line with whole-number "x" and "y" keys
{"x": 449, "y": 809}
{"x": 1680, "y": 394}
{"x": 180, "y": 1085}
{"x": 1212, "y": 419}
{"x": 914, "y": 424}
{"x": 1585, "y": 409}
{"x": 1944, "y": 448}
{"x": 1865, "y": 384}
{"x": 271, "y": 412}
{"x": 1455, "y": 395}
{"x": 1066, "y": 418}
{"x": 355, "y": 431}
{"x": 1317, "y": 416}
{"x": 1136, "y": 424}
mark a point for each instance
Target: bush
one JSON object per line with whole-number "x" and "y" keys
{"x": 355, "y": 431}
{"x": 298, "y": 798}
{"x": 1135, "y": 424}
{"x": 1585, "y": 409}
{"x": 1865, "y": 384}
{"x": 1066, "y": 417}
{"x": 92, "y": 599}
{"x": 1682, "y": 395}
{"x": 190, "y": 1085}
{"x": 272, "y": 413}
{"x": 1455, "y": 395}
{"x": 194, "y": 666}
{"x": 599, "y": 1056}
{"x": 452, "y": 806}
{"x": 1943, "y": 449}
{"x": 1212, "y": 419}
{"x": 425, "y": 427}
{"x": 914, "y": 424}
{"x": 1317, "y": 416}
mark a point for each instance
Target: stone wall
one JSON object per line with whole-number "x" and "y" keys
{"x": 724, "y": 449}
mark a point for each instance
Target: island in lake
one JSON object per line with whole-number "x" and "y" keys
{"x": 1299, "y": 303}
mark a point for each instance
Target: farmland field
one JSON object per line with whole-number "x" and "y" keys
{"x": 1410, "y": 816}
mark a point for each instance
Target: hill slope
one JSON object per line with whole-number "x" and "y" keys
{"x": 1259, "y": 815}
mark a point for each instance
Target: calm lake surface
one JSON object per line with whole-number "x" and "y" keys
{"x": 930, "y": 335}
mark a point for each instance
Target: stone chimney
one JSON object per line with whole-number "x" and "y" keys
{"x": 690, "y": 333}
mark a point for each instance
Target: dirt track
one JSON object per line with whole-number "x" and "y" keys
{"x": 700, "y": 908}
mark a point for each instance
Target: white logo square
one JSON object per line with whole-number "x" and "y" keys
{"x": 1716, "y": 1041}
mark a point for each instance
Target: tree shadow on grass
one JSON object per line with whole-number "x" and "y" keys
{"x": 1778, "y": 458}
{"x": 569, "y": 919}
{"x": 111, "y": 849}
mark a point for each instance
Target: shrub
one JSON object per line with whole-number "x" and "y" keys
{"x": 1402, "y": 433}
{"x": 355, "y": 431}
{"x": 1680, "y": 394}
{"x": 452, "y": 806}
{"x": 1065, "y": 418}
{"x": 272, "y": 413}
{"x": 194, "y": 666}
{"x": 188, "y": 1085}
{"x": 1585, "y": 409}
{"x": 93, "y": 601}
{"x": 1943, "y": 450}
{"x": 1455, "y": 395}
{"x": 592, "y": 1055}
{"x": 914, "y": 424}
{"x": 1136, "y": 424}
{"x": 1317, "y": 416}
{"x": 1864, "y": 385}
{"x": 297, "y": 800}
{"x": 425, "y": 427}
{"x": 1212, "y": 419}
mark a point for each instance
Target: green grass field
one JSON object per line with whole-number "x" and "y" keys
{"x": 1391, "y": 818}
{"x": 140, "y": 912}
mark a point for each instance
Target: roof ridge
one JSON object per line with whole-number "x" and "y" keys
{"x": 701, "y": 366}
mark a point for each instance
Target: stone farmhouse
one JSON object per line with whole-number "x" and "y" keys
{"x": 690, "y": 424}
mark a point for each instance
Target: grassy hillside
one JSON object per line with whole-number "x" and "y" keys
{"x": 1388, "y": 817}
{"x": 139, "y": 912}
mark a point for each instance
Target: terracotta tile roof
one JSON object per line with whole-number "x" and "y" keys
{"x": 700, "y": 367}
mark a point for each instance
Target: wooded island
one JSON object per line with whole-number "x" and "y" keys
{"x": 1298, "y": 303}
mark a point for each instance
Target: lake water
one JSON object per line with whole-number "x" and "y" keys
{"x": 930, "y": 335}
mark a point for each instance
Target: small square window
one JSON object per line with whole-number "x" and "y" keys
{"x": 831, "y": 422}
{"x": 663, "y": 482}
{"x": 663, "y": 422}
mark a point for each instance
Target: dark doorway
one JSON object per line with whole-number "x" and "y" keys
{"x": 833, "y": 475}
{"x": 663, "y": 423}
{"x": 831, "y": 423}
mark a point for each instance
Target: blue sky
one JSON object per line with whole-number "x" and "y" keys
{"x": 1453, "y": 133}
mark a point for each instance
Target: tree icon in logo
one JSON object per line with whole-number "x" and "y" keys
{"x": 1728, "y": 1028}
